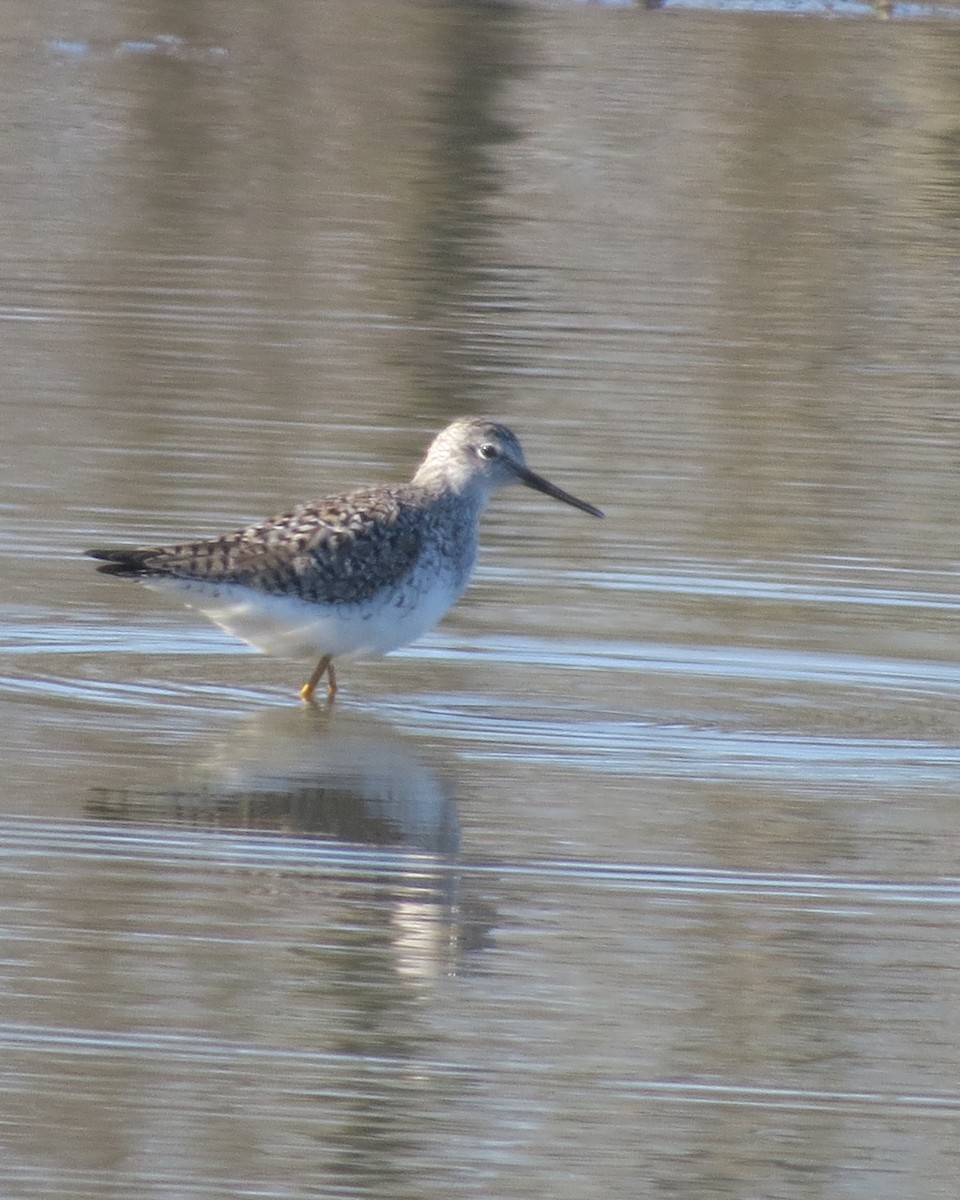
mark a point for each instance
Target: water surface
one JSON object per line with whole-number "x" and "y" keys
{"x": 639, "y": 875}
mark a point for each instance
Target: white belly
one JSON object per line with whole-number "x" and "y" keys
{"x": 295, "y": 628}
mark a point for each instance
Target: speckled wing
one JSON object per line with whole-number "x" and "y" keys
{"x": 341, "y": 550}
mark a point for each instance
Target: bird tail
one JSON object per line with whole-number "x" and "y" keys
{"x": 123, "y": 561}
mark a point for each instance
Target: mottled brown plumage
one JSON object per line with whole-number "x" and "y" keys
{"x": 340, "y": 550}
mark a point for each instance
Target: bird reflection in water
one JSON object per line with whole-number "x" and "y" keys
{"x": 351, "y": 783}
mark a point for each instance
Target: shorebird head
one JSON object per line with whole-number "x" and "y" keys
{"x": 477, "y": 454}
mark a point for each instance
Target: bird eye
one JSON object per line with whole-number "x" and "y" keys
{"x": 488, "y": 450}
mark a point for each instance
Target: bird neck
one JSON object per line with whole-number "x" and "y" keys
{"x": 466, "y": 491}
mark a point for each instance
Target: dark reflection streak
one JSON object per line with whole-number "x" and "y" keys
{"x": 174, "y": 122}
{"x": 213, "y": 229}
{"x": 771, "y": 379}
{"x": 456, "y": 278}
{"x": 942, "y": 198}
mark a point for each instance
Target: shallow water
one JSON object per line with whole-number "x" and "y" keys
{"x": 639, "y": 875}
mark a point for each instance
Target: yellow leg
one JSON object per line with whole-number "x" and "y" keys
{"x": 324, "y": 667}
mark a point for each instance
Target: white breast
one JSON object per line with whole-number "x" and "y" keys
{"x": 295, "y": 628}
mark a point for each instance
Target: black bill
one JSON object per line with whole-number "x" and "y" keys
{"x": 531, "y": 479}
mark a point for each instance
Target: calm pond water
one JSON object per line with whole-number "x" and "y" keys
{"x": 637, "y": 877}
